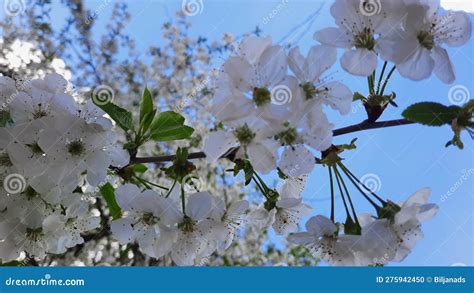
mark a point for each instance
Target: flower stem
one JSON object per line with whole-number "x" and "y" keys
{"x": 358, "y": 188}
{"x": 260, "y": 187}
{"x": 342, "y": 194}
{"x": 144, "y": 181}
{"x": 171, "y": 189}
{"x": 387, "y": 79}
{"x": 348, "y": 196}
{"x": 332, "y": 193}
{"x": 381, "y": 77}
{"x": 265, "y": 187}
{"x": 183, "y": 201}
{"x": 362, "y": 184}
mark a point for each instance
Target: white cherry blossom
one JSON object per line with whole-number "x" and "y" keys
{"x": 418, "y": 49}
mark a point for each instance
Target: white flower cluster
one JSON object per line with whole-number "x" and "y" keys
{"x": 275, "y": 120}
{"x": 269, "y": 104}
{"x": 188, "y": 235}
{"x": 50, "y": 147}
{"x": 381, "y": 241}
{"x": 409, "y": 33}
{"x": 264, "y": 108}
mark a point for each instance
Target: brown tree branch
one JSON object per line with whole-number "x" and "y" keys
{"x": 365, "y": 125}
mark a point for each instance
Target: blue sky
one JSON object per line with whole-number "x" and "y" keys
{"x": 405, "y": 158}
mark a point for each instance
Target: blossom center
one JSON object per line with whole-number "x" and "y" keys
{"x": 187, "y": 225}
{"x": 288, "y": 137}
{"x": 365, "y": 39}
{"x": 150, "y": 219}
{"x": 261, "y": 96}
{"x": 426, "y": 40}
{"x": 76, "y": 148}
{"x": 244, "y": 134}
{"x": 5, "y": 160}
{"x": 4, "y": 116}
{"x": 35, "y": 148}
{"x": 34, "y": 234}
{"x": 309, "y": 90}
{"x": 30, "y": 193}
{"x": 39, "y": 113}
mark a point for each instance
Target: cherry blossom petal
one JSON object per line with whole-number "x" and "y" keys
{"x": 199, "y": 206}
{"x": 443, "y": 67}
{"x": 418, "y": 66}
{"x": 359, "y": 62}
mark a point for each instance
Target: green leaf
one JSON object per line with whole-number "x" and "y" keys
{"x": 146, "y": 106}
{"x": 146, "y": 122}
{"x": 140, "y": 168}
{"x": 169, "y": 126}
{"x": 122, "y": 117}
{"x": 358, "y": 96}
{"x": 4, "y": 118}
{"x": 108, "y": 193}
{"x": 244, "y": 165}
{"x": 430, "y": 113}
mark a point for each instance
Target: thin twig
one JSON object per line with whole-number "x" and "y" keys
{"x": 365, "y": 125}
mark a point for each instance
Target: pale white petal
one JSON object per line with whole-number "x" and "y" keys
{"x": 320, "y": 226}
{"x": 320, "y": 59}
{"x": 297, "y": 160}
{"x": 418, "y": 66}
{"x": 443, "y": 67}
{"x": 218, "y": 143}
{"x": 455, "y": 28}
{"x": 272, "y": 67}
{"x": 334, "y": 37}
{"x": 360, "y": 62}
{"x": 122, "y": 230}
{"x": 262, "y": 155}
{"x": 297, "y": 63}
{"x": 199, "y": 205}
{"x": 252, "y": 47}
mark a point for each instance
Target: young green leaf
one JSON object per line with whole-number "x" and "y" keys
{"x": 430, "y": 113}
{"x": 108, "y": 193}
{"x": 358, "y": 96}
{"x": 122, "y": 117}
{"x": 169, "y": 126}
{"x": 146, "y": 106}
{"x": 147, "y": 120}
{"x": 140, "y": 168}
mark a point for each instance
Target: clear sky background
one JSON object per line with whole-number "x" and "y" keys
{"x": 404, "y": 158}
